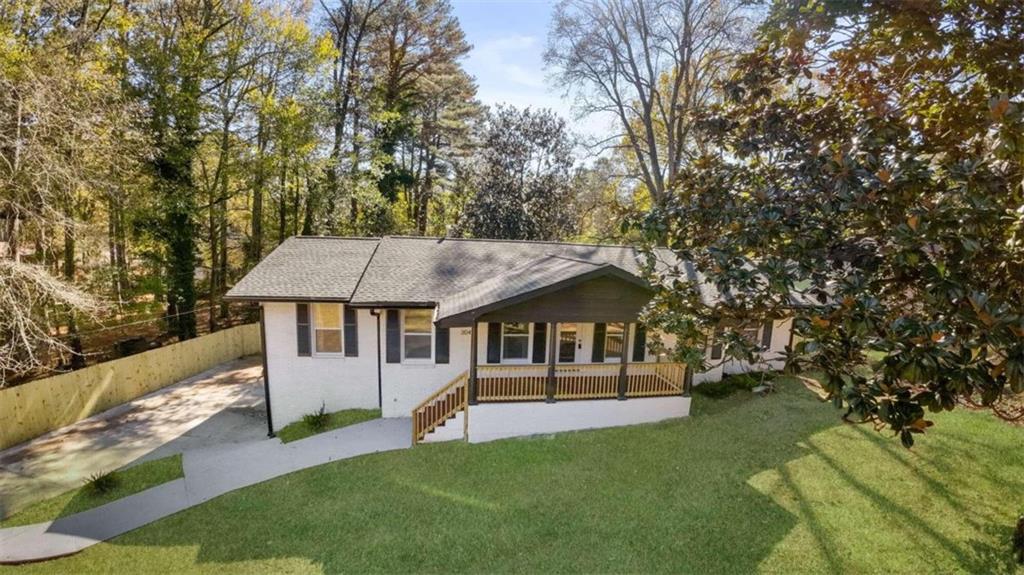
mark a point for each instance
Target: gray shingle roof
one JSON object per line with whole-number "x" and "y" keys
{"x": 414, "y": 271}
{"x": 519, "y": 281}
{"x": 308, "y": 268}
{"x": 424, "y": 271}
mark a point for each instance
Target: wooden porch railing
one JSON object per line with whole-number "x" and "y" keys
{"x": 511, "y": 382}
{"x": 577, "y": 381}
{"x": 441, "y": 406}
{"x": 652, "y": 379}
{"x": 587, "y": 381}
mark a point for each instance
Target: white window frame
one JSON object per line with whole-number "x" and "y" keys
{"x": 529, "y": 343}
{"x": 313, "y": 328}
{"x": 607, "y": 333}
{"x": 418, "y": 360}
{"x": 758, "y": 330}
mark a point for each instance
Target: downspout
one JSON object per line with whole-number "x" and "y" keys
{"x": 380, "y": 386}
{"x": 266, "y": 374}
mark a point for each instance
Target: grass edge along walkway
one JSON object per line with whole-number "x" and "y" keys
{"x": 747, "y": 484}
{"x": 129, "y": 480}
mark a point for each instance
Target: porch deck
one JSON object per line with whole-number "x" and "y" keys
{"x": 576, "y": 381}
{"x": 540, "y": 382}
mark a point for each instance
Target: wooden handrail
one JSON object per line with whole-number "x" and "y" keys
{"x": 440, "y": 406}
{"x": 526, "y": 382}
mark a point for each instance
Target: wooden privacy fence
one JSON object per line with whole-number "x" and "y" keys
{"x": 32, "y": 409}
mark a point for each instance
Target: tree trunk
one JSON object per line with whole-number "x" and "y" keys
{"x": 214, "y": 258}
{"x": 255, "y": 252}
{"x": 282, "y": 206}
{"x": 77, "y": 357}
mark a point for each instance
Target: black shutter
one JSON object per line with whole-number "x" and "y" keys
{"x": 597, "y": 356}
{"x": 493, "y": 343}
{"x": 302, "y": 328}
{"x": 640, "y": 343}
{"x": 442, "y": 342}
{"x": 716, "y": 344}
{"x": 394, "y": 337}
{"x": 351, "y": 332}
{"x": 540, "y": 330}
{"x": 766, "y": 336}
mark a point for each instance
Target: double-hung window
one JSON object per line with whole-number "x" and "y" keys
{"x": 613, "y": 341}
{"x": 515, "y": 341}
{"x": 327, "y": 328}
{"x": 417, "y": 334}
{"x": 751, "y": 332}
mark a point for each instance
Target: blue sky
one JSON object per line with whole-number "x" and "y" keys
{"x": 507, "y": 59}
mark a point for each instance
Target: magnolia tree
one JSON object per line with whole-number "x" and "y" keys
{"x": 869, "y": 170}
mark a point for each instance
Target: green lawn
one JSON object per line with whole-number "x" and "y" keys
{"x": 132, "y": 480}
{"x": 772, "y": 484}
{"x": 299, "y": 429}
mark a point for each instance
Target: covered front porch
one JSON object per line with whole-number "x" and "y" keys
{"x": 536, "y": 304}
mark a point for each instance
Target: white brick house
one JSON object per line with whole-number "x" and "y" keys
{"x": 390, "y": 322}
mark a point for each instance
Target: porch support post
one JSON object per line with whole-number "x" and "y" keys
{"x": 472, "y": 363}
{"x": 624, "y": 361}
{"x": 549, "y": 386}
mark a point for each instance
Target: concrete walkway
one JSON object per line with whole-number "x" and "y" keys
{"x": 223, "y": 405}
{"x": 209, "y": 472}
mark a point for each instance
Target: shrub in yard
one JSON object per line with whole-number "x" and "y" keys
{"x": 102, "y": 482}
{"x": 317, "y": 421}
{"x": 715, "y": 389}
{"x": 734, "y": 382}
{"x": 749, "y": 380}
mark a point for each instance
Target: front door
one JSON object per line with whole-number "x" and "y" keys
{"x": 568, "y": 342}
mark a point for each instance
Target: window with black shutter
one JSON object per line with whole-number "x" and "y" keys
{"x": 393, "y": 337}
{"x": 302, "y": 328}
{"x": 351, "y": 332}
{"x": 716, "y": 344}
{"x": 640, "y": 343}
{"x": 493, "y": 342}
{"x": 597, "y": 354}
{"x": 766, "y": 336}
{"x": 540, "y": 341}
{"x": 442, "y": 344}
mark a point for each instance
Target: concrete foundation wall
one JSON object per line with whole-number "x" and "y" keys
{"x": 490, "y": 421}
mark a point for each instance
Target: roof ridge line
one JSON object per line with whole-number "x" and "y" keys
{"x": 496, "y": 240}
{"x": 364, "y": 238}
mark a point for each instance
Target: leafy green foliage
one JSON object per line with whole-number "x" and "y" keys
{"x": 524, "y": 188}
{"x": 317, "y": 420}
{"x": 732, "y": 383}
{"x": 102, "y": 482}
{"x": 868, "y": 170}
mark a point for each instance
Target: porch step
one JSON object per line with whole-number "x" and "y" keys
{"x": 452, "y": 429}
{"x": 443, "y": 405}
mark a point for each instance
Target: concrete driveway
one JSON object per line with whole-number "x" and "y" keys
{"x": 223, "y": 405}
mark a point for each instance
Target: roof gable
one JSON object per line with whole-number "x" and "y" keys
{"x": 532, "y": 279}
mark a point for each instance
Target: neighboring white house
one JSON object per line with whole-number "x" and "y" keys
{"x": 390, "y": 322}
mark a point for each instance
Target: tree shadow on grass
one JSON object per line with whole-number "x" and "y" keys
{"x": 665, "y": 497}
{"x": 670, "y": 497}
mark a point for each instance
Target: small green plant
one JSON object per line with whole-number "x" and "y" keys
{"x": 318, "y": 420}
{"x": 734, "y": 382}
{"x": 102, "y": 482}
